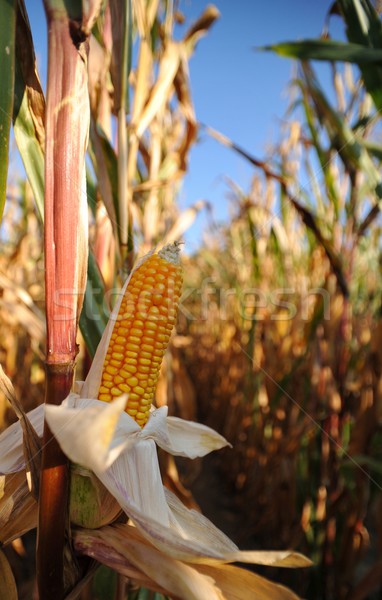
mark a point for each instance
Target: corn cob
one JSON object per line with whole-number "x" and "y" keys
{"x": 141, "y": 332}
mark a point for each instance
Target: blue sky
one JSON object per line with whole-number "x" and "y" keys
{"x": 236, "y": 89}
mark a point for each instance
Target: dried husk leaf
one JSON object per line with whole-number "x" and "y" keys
{"x": 124, "y": 549}
{"x": 241, "y": 584}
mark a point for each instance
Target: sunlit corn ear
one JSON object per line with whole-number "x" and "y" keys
{"x": 138, "y": 333}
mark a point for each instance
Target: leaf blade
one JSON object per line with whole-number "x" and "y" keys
{"x": 7, "y": 52}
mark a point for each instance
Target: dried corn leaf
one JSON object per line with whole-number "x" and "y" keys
{"x": 31, "y": 441}
{"x": 18, "y": 508}
{"x": 8, "y": 589}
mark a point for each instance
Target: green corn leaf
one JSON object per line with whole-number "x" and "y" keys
{"x": 364, "y": 27}
{"x": 350, "y": 147}
{"x": 30, "y": 150}
{"x": 364, "y": 32}
{"x": 327, "y": 50}
{"x": 93, "y": 316}
{"x": 110, "y": 161}
{"x": 7, "y": 53}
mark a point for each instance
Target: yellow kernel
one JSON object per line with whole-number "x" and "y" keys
{"x": 104, "y": 397}
{"x": 144, "y": 368}
{"x": 132, "y": 381}
{"x": 120, "y": 340}
{"x": 111, "y": 370}
{"x": 148, "y": 336}
{"x": 134, "y": 340}
{"x": 145, "y": 354}
{"x": 126, "y": 373}
{"x": 130, "y": 347}
{"x": 141, "y": 376}
{"x": 107, "y": 377}
{"x": 147, "y": 348}
{"x": 162, "y": 337}
{"x": 117, "y": 379}
{"x": 144, "y": 298}
{"x": 135, "y": 331}
{"x": 144, "y": 361}
{"x": 103, "y": 390}
{"x": 131, "y": 356}
{"x": 133, "y": 404}
{"x": 131, "y": 411}
{"x": 142, "y": 314}
{"x": 123, "y": 331}
{"x": 133, "y": 397}
{"x": 138, "y": 324}
{"x": 135, "y": 289}
{"x": 126, "y": 322}
{"x": 139, "y": 390}
{"x": 118, "y": 348}
{"x": 115, "y": 391}
{"x": 150, "y": 325}
{"x": 124, "y": 387}
{"x": 115, "y": 363}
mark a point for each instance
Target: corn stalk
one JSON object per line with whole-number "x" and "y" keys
{"x": 67, "y": 124}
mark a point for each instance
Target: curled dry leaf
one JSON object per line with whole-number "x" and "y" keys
{"x": 124, "y": 548}
{"x": 31, "y": 441}
{"x": 18, "y": 509}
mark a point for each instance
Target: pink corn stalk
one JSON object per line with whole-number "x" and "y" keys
{"x": 66, "y": 246}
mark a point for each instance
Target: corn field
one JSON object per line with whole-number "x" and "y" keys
{"x": 182, "y": 425}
